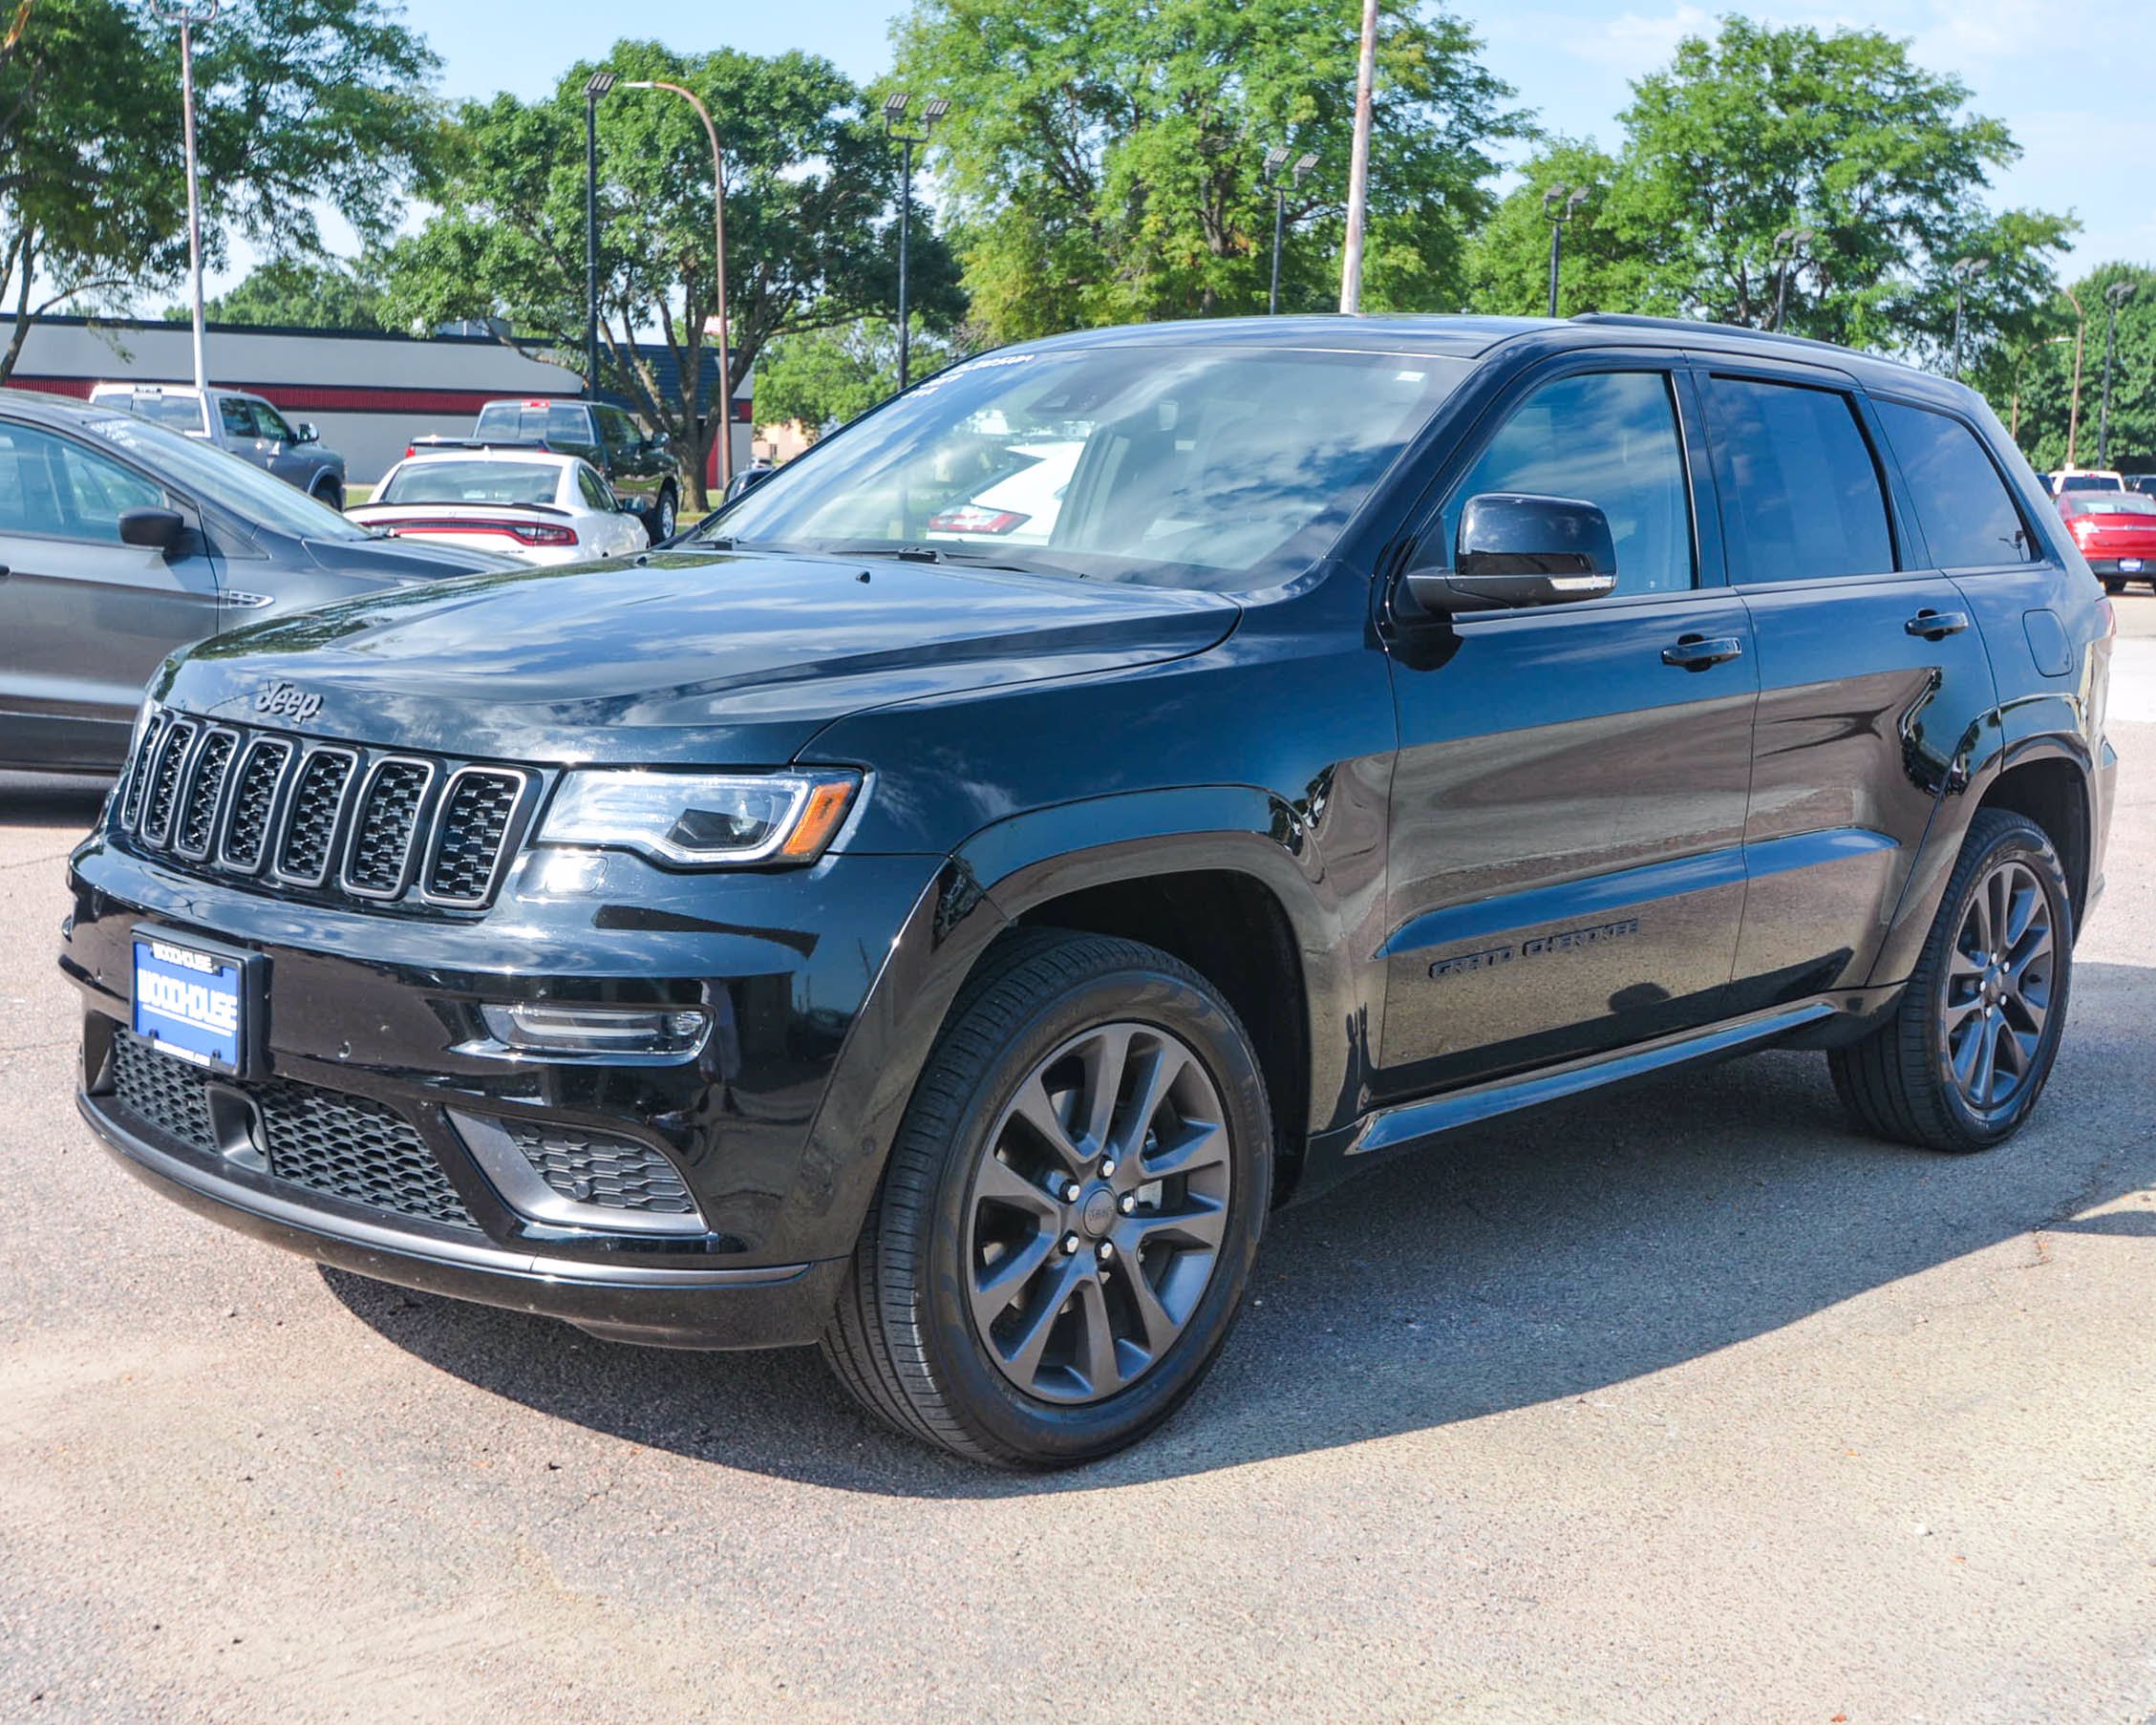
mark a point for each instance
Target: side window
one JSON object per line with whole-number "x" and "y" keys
{"x": 270, "y": 423}
{"x": 1969, "y": 514}
{"x": 1799, "y": 492}
{"x": 1608, "y": 438}
{"x": 52, "y": 486}
{"x": 596, "y": 496}
{"x": 620, "y": 432}
{"x": 567, "y": 425}
{"x": 237, "y": 417}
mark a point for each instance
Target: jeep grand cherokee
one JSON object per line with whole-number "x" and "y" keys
{"x": 841, "y": 929}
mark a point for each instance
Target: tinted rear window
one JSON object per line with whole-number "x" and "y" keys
{"x": 1799, "y": 492}
{"x": 1969, "y": 516}
{"x": 533, "y": 422}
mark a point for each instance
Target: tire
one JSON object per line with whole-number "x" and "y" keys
{"x": 2113, "y": 584}
{"x": 1917, "y": 1077}
{"x": 665, "y": 514}
{"x": 332, "y": 495}
{"x": 953, "y": 1276}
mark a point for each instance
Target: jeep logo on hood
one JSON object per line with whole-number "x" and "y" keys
{"x": 288, "y": 700}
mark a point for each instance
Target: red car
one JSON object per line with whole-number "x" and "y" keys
{"x": 2116, "y": 531}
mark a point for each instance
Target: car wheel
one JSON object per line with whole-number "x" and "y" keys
{"x": 331, "y": 492}
{"x": 664, "y": 515}
{"x": 1065, "y": 1228}
{"x": 1963, "y": 1058}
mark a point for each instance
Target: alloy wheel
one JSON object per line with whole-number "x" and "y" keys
{"x": 1999, "y": 987}
{"x": 1095, "y": 1217}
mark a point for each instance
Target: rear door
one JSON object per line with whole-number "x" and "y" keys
{"x": 1568, "y": 806}
{"x": 84, "y": 619}
{"x": 1874, "y": 678}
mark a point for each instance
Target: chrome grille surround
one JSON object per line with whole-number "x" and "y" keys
{"x": 334, "y": 823}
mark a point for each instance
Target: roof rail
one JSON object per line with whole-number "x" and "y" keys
{"x": 1699, "y": 325}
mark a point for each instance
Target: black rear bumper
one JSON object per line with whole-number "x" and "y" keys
{"x": 768, "y": 1306}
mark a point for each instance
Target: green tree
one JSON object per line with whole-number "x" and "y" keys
{"x": 2030, "y": 382}
{"x": 301, "y": 104}
{"x": 809, "y": 241}
{"x": 1761, "y": 130}
{"x": 1101, "y": 164}
{"x": 1603, "y": 267}
{"x": 821, "y": 378}
{"x": 309, "y": 293}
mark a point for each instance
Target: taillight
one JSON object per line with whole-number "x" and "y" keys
{"x": 971, "y": 518}
{"x": 409, "y": 451}
{"x": 544, "y": 536}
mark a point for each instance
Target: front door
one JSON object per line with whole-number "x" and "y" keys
{"x": 1873, "y": 677}
{"x": 1565, "y": 869}
{"x": 84, "y": 619}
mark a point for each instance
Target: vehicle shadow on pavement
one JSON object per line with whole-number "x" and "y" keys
{"x": 1536, "y": 1258}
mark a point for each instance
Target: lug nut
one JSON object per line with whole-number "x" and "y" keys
{"x": 1071, "y": 1192}
{"x": 1108, "y": 1168}
{"x": 1106, "y": 1250}
{"x": 1128, "y": 1203}
{"x": 1070, "y": 1245}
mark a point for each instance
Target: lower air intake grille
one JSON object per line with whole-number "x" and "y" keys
{"x": 474, "y": 822}
{"x": 340, "y": 1147}
{"x": 613, "y": 1173}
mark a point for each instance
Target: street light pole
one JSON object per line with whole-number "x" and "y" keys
{"x": 1275, "y": 159}
{"x": 894, "y": 115}
{"x": 718, "y": 251}
{"x": 1358, "y": 165}
{"x": 1560, "y": 203}
{"x": 596, "y": 86}
{"x": 188, "y": 13}
{"x": 1964, "y": 271}
{"x": 1787, "y": 245}
{"x": 2074, "y": 410}
{"x": 2114, "y": 296}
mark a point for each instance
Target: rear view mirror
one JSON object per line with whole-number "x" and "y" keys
{"x": 153, "y": 529}
{"x": 1518, "y": 550}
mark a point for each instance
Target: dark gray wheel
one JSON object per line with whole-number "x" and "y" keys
{"x": 1067, "y": 1222}
{"x": 1966, "y": 1053}
{"x": 331, "y": 492}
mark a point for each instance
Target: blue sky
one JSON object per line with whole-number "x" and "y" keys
{"x": 2077, "y": 95}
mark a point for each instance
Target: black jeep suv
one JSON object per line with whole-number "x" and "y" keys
{"x": 1124, "y": 782}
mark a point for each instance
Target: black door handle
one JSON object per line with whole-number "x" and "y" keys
{"x": 1695, "y": 652}
{"x": 1936, "y": 625}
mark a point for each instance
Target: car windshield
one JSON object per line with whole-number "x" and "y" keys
{"x": 225, "y": 480}
{"x": 2117, "y": 503}
{"x": 471, "y": 483}
{"x": 1218, "y": 467}
{"x": 180, "y": 412}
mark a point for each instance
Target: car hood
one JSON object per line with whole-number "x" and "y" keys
{"x": 714, "y": 658}
{"x": 400, "y": 560}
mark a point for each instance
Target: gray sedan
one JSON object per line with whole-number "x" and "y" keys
{"x": 121, "y": 541}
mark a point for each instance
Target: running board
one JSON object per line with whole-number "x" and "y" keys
{"x": 1390, "y": 1128}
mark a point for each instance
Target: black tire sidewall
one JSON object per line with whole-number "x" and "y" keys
{"x": 2020, "y": 841}
{"x": 1049, "y": 1433}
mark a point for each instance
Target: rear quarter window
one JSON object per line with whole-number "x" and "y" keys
{"x": 1969, "y": 516}
{"x": 1799, "y": 491}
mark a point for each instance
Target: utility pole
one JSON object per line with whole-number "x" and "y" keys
{"x": 2114, "y": 296}
{"x": 2074, "y": 412}
{"x": 1964, "y": 271}
{"x": 188, "y": 13}
{"x": 1788, "y": 244}
{"x": 1269, "y": 174}
{"x": 1560, "y": 203}
{"x": 894, "y": 113}
{"x": 596, "y": 86}
{"x": 1358, "y": 165}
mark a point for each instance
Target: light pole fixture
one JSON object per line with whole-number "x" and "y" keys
{"x": 1964, "y": 270}
{"x": 189, "y": 14}
{"x": 719, "y": 276}
{"x": 1275, "y": 159}
{"x": 594, "y": 87}
{"x": 1359, "y": 163}
{"x": 2074, "y": 409}
{"x": 2114, "y": 296}
{"x": 894, "y": 122}
{"x": 1560, "y": 203}
{"x": 1788, "y": 244}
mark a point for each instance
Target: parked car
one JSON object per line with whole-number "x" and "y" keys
{"x": 2116, "y": 532}
{"x": 952, "y": 951}
{"x": 531, "y": 504}
{"x": 1020, "y": 508}
{"x": 639, "y": 466}
{"x": 121, "y": 541}
{"x": 2143, "y": 482}
{"x": 2084, "y": 478}
{"x": 232, "y": 420}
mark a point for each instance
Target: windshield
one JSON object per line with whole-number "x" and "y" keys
{"x": 226, "y": 480}
{"x": 471, "y": 483}
{"x": 1222, "y": 468}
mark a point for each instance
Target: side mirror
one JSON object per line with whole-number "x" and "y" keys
{"x": 1517, "y": 550}
{"x": 153, "y": 529}
{"x": 305, "y": 432}
{"x": 747, "y": 481}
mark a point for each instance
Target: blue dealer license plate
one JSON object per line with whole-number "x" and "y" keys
{"x": 2129, "y": 565}
{"x": 191, "y": 1002}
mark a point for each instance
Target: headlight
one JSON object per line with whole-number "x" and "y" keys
{"x": 702, "y": 819}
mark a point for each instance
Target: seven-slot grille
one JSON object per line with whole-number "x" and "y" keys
{"x": 335, "y": 821}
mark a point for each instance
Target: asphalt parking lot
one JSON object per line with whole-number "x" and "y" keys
{"x": 1689, "y": 1405}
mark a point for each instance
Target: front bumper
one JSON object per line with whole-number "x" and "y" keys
{"x": 375, "y": 1012}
